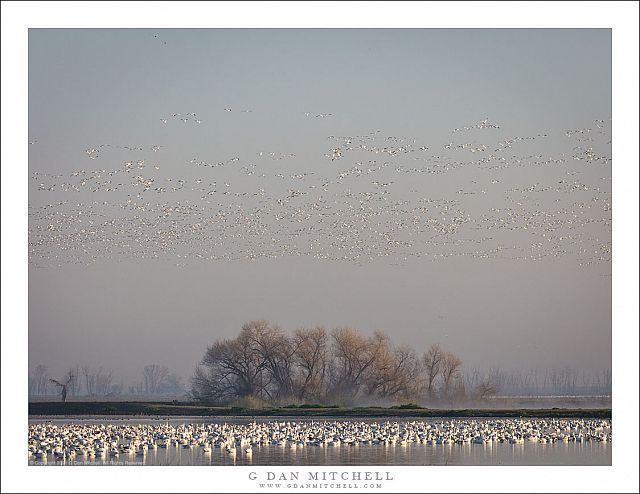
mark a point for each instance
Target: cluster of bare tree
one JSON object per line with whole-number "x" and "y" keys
{"x": 39, "y": 383}
{"x": 97, "y": 382}
{"x": 318, "y": 366}
{"x": 77, "y": 381}
{"x": 548, "y": 382}
{"x": 265, "y": 364}
{"x": 158, "y": 381}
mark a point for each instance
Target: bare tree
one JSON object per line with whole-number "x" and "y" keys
{"x": 97, "y": 380}
{"x": 432, "y": 360}
{"x": 173, "y": 384}
{"x": 379, "y": 377}
{"x": 310, "y": 358}
{"x": 63, "y": 391}
{"x": 136, "y": 389}
{"x": 230, "y": 369}
{"x": 115, "y": 389}
{"x": 606, "y": 378}
{"x": 276, "y": 351}
{"x": 32, "y": 385}
{"x": 89, "y": 379}
{"x": 354, "y": 356}
{"x": 555, "y": 381}
{"x": 103, "y": 382}
{"x": 485, "y": 388}
{"x": 312, "y": 364}
{"x": 396, "y": 374}
{"x": 497, "y": 377}
{"x": 74, "y": 385}
{"x": 450, "y": 372}
{"x": 472, "y": 378}
{"x": 585, "y": 382}
{"x": 154, "y": 377}
{"x": 40, "y": 379}
{"x": 533, "y": 382}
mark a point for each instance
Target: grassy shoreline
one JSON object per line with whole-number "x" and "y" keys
{"x": 151, "y": 409}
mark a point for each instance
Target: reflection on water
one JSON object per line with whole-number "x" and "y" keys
{"x": 529, "y": 453}
{"x": 589, "y": 453}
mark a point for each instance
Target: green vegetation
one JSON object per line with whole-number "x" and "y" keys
{"x": 407, "y": 406}
{"x": 199, "y": 409}
{"x": 310, "y": 405}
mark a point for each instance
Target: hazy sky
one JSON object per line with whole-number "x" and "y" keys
{"x": 440, "y": 185}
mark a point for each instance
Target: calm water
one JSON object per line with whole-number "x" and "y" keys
{"x": 573, "y": 453}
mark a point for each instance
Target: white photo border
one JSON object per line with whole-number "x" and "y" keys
{"x": 621, "y": 17}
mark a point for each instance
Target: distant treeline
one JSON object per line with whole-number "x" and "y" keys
{"x": 92, "y": 381}
{"x": 565, "y": 382}
{"x": 264, "y": 365}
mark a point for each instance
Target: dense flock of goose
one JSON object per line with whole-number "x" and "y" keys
{"x": 73, "y": 441}
{"x": 366, "y": 197}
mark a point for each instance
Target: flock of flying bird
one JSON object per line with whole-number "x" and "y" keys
{"x": 73, "y": 442}
{"x": 368, "y": 197}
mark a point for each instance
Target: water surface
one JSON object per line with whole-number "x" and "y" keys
{"x": 529, "y": 453}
